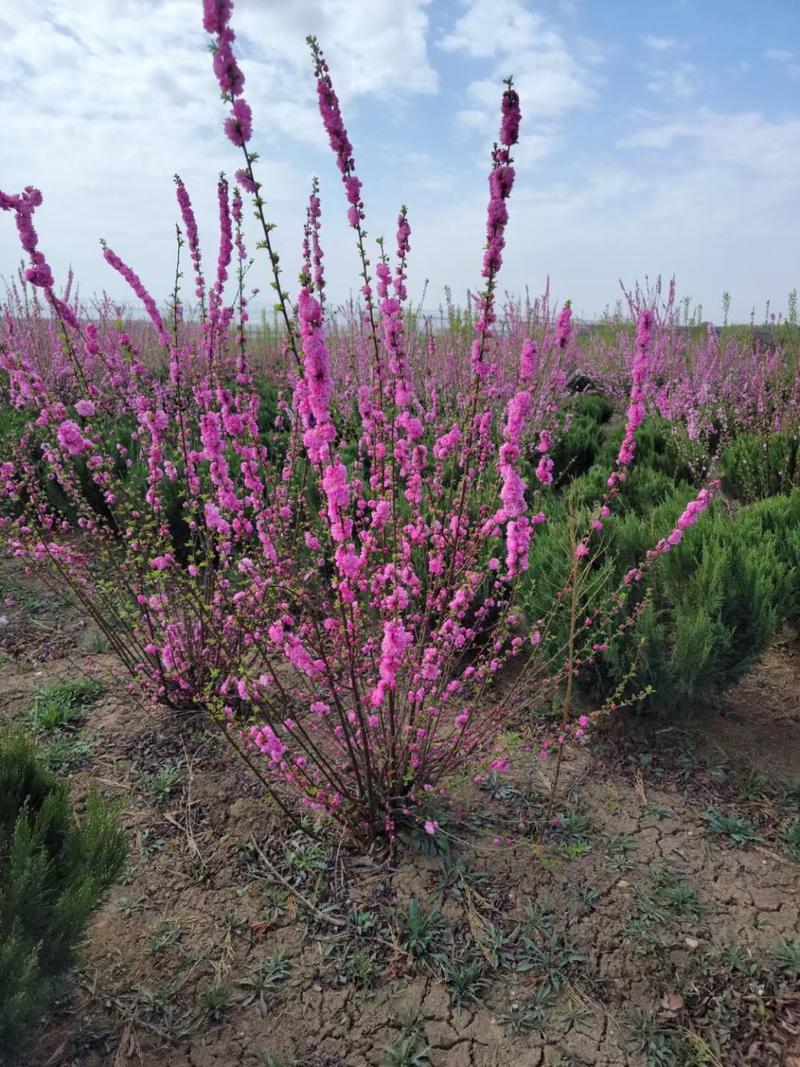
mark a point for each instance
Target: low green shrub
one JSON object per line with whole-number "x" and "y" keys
{"x": 661, "y": 445}
{"x": 53, "y": 873}
{"x": 575, "y": 449}
{"x": 754, "y": 467}
{"x": 712, "y": 603}
{"x": 705, "y": 611}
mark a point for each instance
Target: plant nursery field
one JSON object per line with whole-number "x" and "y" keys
{"x": 388, "y": 690}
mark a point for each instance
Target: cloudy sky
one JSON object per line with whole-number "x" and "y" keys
{"x": 658, "y": 137}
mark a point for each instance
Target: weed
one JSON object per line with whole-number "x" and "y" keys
{"x": 362, "y": 922}
{"x": 270, "y": 973}
{"x": 786, "y": 956}
{"x": 60, "y": 703}
{"x": 790, "y": 835}
{"x": 739, "y": 958}
{"x": 654, "y": 1041}
{"x": 414, "y": 836}
{"x": 233, "y": 923}
{"x": 169, "y": 934}
{"x": 538, "y": 917}
{"x": 532, "y": 1013}
{"x": 676, "y": 895}
{"x": 65, "y": 752}
{"x": 97, "y": 642}
{"x": 570, "y": 830}
{"x": 419, "y": 930}
{"x": 620, "y": 849}
{"x": 149, "y": 844}
{"x": 791, "y": 797}
{"x": 163, "y": 783}
{"x": 215, "y": 998}
{"x": 457, "y": 875}
{"x": 731, "y": 824}
{"x": 498, "y": 788}
{"x": 308, "y": 862}
{"x": 411, "y": 1050}
{"x": 552, "y": 958}
{"x": 657, "y": 810}
{"x": 464, "y": 974}
{"x": 358, "y": 968}
{"x": 588, "y": 896}
{"x": 751, "y": 784}
{"x": 497, "y": 946}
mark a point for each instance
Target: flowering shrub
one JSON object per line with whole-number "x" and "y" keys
{"x": 322, "y": 547}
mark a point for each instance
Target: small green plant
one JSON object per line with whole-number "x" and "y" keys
{"x": 465, "y": 976}
{"x": 54, "y": 871}
{"x": 163, "y": 782}
{"x": 411, "y": 1050}
{"x": 65, "y": 752}
{"x": 168, "y": 935}
{"x": 739, "y": 958}
{"x": 458, "y": 876}
{"x": 620, "y": 849}
{"x": 215, "y": 998}
{"x": 269, "y": 974}
{"x": 532, "y": 1013}
{"x": 419, "y": 930}
{"x": 570, "y": 830}
{"x": 359, "y": 968}
{"x": 97, "y": 642}
{"x": 790, "y": 836}
{"x": 60, "y": 703}
{"x": 676, "y": 895}
{"x": 731, "y": 824}
{"x": 786, "y": 956}
{"x": 653, "y": 1040}
{"x": 550, "y": 957}
{"x": 149, "y": 843}
{"x": 751, "y": 784}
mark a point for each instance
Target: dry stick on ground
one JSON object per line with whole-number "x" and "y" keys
{"x": 186, "y": 825}
{"x": 332, "y": 920}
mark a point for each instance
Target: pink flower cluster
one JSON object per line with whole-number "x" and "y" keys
{"x": 216, "y": 18}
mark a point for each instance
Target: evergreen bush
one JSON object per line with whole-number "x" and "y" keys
{"x": 53, "y": 872}
{"x": 754, "y": 467}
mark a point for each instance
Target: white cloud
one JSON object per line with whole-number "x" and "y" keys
{"x": 673, "y": 83}
{"x": 659, "y": 44}
{"x": 552, "y": 75}
{"x": 778, "y": 55}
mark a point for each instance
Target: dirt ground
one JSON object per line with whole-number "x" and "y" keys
{"x": 651, "y": 917}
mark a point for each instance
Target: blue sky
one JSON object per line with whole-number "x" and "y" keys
{"x": 657, "y": 137}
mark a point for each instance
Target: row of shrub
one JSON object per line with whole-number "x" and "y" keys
{"x": 703, "y": 615}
